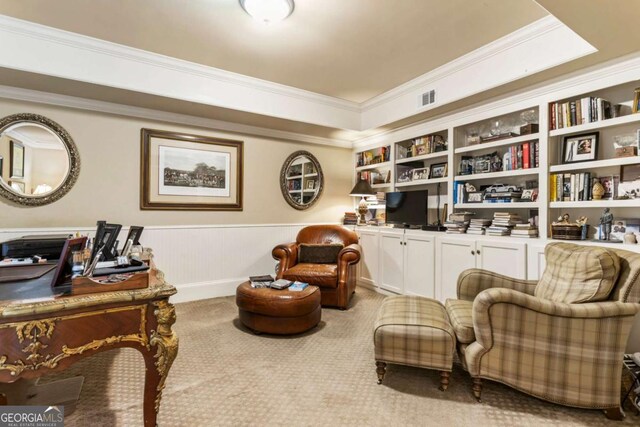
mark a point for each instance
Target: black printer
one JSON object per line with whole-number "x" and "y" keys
{"x": 45, "y": 246}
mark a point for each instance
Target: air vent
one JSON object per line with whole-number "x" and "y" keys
{"x": 428, "y": 98}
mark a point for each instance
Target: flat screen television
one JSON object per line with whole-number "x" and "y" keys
{"x": 407, "y": 208}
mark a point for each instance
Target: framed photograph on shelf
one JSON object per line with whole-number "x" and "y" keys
{"x": 609, "y": 186}
{"x": 438, "y": 170}
{"x": 529, "y": 195}
{"x": 420, "y": 174}
{"x": 629, "y": 173}
{"x": 580, "y": 148}
{"x": 190, "y": 172}
{"x": 475, "y": 197}
{"x": 311, "y": 184}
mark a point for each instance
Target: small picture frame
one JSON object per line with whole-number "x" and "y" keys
{"x": 16, "y": 159}
{"x": 482, "y": 164}
{"x": 529, "y": 195}
{"x": 580, "y": 148}
{"x": 438, "y": 170}
{"x": 609, "y": 186}
{"x": 629, "y": 173}
{"x": 420, "y": 174}
{"x": 421, "y": 149}
{"x": 475, "y": 197}
{"x": 311, "y": 184}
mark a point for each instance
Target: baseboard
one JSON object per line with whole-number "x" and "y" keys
{"x": 205, "y": 290}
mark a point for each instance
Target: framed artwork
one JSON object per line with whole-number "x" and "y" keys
{"x": 475, "y": 197}
{"x": 16, "y": 159}
{"x": 580, "y": 148}
{"x": 190, "y": 172}
{"x": 420, "y": 174}
{"x": 438, "y": 170}
{"x": 630, "y": 173}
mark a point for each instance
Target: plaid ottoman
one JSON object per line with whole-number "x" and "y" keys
{"x": 414, "y": 331}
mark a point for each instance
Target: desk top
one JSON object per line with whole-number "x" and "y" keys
{"x": 33, "y": 297}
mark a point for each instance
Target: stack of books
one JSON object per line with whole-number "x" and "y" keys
{"x": 478, "y": 226}
{"x": 525, "y": 230}
{"x": 350, "y": 218}
{"x": 261, "y": 281}
{"x": 502, "y": 223}
{"x": 458, "y": 222}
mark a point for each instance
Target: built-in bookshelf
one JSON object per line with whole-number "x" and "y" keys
{"x": 479, "y": 147}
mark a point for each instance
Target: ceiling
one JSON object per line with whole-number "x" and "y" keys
{"x": 354, "y": 49}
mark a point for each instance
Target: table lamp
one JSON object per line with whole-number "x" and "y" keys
{"x": 362, "y": 189}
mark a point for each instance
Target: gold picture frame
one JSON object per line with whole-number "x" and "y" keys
{"x": 190, "y": 172}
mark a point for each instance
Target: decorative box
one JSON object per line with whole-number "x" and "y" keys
{"x": 626, "y": 151}
{"x": 529, "y": 128}
{"x": 566, "y": 232}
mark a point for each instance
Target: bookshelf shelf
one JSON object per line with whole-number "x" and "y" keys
{"x": 374, "y": 166}
{"x": 494, "y": 175}
{"x": 294, "y": 177}
{"x": 630, "y": 203}
{"x": 421, "y": 182}
{"x": 619, "y": 161}
{"x": 500, "y": 143}
{"x": 514, "y": 205}
{"x": 423, "y": 157}
{"x": 618, "y": 121}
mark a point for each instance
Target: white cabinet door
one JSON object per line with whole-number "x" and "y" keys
{"x": 508, "y": 258}
{"x": 419, "y": 265}
{"x": 391, "y": 256}
{"x": 535, "y": 261}
{"x": 453, "y": 256}
{"x": 368, "y": 266}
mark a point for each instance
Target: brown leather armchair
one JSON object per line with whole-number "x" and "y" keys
{"x": 337, "y": 282}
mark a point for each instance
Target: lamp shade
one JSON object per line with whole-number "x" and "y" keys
{"x": 362, "y": 189}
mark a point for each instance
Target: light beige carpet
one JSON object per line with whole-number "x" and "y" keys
{"x": 226, "y": 376}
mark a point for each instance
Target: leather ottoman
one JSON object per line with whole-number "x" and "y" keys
{"x": 280, "y": 312}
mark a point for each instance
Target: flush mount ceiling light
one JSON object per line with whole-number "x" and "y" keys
{"x": 268, "y": 10}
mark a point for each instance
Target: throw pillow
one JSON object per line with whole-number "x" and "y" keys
{"x": 577, "y": 274}
{"x": 319, "y": 253}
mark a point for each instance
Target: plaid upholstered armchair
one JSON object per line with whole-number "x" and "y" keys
{"x": 561, "y": 339}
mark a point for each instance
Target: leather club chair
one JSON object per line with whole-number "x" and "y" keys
{"x": 337, "y": 282}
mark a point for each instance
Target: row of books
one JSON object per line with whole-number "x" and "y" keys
{"x": 572, "y": 187}
{"x": 585, "y": 110}
{"x": 371, "y": 157}
{"x": 522, "y": 156}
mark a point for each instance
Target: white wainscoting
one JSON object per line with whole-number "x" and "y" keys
{"x": 201, "y": 261}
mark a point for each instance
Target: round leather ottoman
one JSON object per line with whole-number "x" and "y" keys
{"x": 280, "y": 312}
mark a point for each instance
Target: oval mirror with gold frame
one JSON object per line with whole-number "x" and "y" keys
{"x": 39, "y": 162}
{"x": 301, "y": 180}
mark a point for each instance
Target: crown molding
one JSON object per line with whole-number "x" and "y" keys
{"x": 30, "y": 142}
{"x": 534, "y": 30}
{"x": 47, "y": 98}
{"x": 610, "y": 73}
{"x": 50, "y": 51}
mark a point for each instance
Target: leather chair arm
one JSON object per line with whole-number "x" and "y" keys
{"x": 347, "y": 256}
{"x": 287, "y": 255}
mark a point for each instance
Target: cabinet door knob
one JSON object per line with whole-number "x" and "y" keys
{"x": 478, "y": 252}
{"x": 473, "y": 252}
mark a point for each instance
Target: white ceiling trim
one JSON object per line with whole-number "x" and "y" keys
{"x": 47, "y": 98}
{"x": 30, "y": 142}
{"x": 40, "y": 49}
{"x": 594, "y": 78}
{"x": 44, "y": 50}
{"x": 521, "y": 53}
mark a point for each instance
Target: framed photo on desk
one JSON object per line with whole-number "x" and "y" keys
{"x": 190, "y": 172}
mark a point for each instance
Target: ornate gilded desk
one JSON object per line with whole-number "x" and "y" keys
{"x": 41, "y": 332}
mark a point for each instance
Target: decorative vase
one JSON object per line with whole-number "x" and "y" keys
{"x": 597, "y": 191}
{"x": 630, "y": 238}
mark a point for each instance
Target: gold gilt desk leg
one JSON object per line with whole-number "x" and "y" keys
{"x": 158, "y": 361}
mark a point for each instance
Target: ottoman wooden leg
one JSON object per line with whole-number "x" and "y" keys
{"x": 477, "y": 388}
{"x": 381, "y": 369}
{"x": 444, "y": 380}
{"x": 615, "y": 414}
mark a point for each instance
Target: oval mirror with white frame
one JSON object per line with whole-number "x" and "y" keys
{"x": 39, "y": 161}
{"x": 301, "y": 180}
